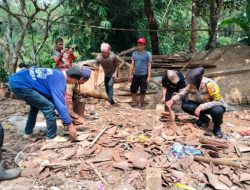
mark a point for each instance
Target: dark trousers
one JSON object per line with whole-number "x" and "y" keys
{"x": 1, "y": 135}
{"x": 216, "y": 112}
{"x": 38, "y": 102}
{"x": 139, "y": 81}
{"x": 1, "y": 140}
{"x": 109, "y": 83}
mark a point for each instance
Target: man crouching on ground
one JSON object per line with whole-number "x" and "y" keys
{"x": 207, "y": 100}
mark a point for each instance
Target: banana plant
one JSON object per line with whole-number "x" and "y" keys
{"x": 242, "y": 20}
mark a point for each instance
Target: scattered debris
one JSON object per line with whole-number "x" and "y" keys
{"x": 181, "y": 151}
{"x": 129, "y": 148}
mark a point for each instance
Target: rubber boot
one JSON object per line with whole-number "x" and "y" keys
{"x": 217, "y": 132}
{"x": 8, "y": 174}
{"x": 203, "y": 121}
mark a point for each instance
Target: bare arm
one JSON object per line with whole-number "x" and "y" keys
{"x": 179, "y": 96}
{"x": 96, "y": 76}
{"x": 164, "y": 91}
{"x": 149, "y": 71}
{"x": 117, "y": 68}
{"x": 182, "y": 93}
{"x": 131, "y": 70}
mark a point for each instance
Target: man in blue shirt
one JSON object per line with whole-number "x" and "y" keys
{"x": 140, "y": 71}
{"x": 44, "y": 89}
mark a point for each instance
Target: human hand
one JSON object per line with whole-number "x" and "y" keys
{"x": 169, "y": 104}
{"x": 197, "y": 111}
{"x": 130, "y": 78}
{"x": 163, "y": 100}
{"x": 114, "y": 77}
{"x": 74, "y": 115}
{"x": 72, "y": 132}
{"x": 64, "y": 50}
{"x": 148, "y": 79}
{"x": 78, "y": 121}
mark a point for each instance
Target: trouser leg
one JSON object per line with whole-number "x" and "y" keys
{"x": 31, "y": 120}
{"x": 109, "y": 83}
{"x": 217, "y": 113}
{"x": 40, "y": 102}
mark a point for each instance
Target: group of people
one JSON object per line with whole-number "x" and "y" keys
{"x": 47, "y": 90}
{"x": 139, "y": 73}
{"x": 200, "y": 97}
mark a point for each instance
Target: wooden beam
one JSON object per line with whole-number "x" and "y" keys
{"x": 218, "y": 161}
{"x": 127, "y": 51}
{"x": 227, "y": 72}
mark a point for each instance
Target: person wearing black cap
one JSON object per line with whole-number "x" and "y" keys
{"x": 44, "y": 89}
{"x": 207, "y": 100}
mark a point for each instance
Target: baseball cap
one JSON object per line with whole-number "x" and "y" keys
{"x": 78, "y": 73}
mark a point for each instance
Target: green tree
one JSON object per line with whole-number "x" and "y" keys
{"x": 241, "y": 18}
{"x": 23, "y": 15}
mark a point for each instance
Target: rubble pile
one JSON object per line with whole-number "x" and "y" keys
{"x": 122, "y": 148}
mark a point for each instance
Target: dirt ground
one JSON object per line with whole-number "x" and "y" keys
{"x": 139, "y": 148}
{"x": 135, "y": 141}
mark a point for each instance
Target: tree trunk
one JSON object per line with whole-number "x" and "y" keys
{"x": 215, "y": 9}
{"x": 6, "y": 54}
{"x": 193, "y": 32}
{"x": 152, "y": 26}
{"x": 17, "y": 54}
{"x": 248, "y": 20}
{"x": 24, "y": 25}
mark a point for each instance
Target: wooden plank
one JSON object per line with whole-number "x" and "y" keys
{"x": 98, "y": 136}
{"x": 227, "y": 72}
{"x": 218, "y": 161}
{"x": 244, "y": 149}
{"x": 127, "y": 51}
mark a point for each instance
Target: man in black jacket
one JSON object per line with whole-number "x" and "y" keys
{"x": 172, "y": 82}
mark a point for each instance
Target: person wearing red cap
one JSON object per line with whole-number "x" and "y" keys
{"x": 110, "y": 64}
{"x": 140, "y": 72}
{"x": 44, "y": 89}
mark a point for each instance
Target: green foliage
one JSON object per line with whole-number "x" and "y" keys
{"x": 242, "y": 19}
{"x": 78, "y": 17}
{"x": 3, "y": 75}
{"x": 106, "y": 24}
{"x": 238, "y": 21}
{"x": 223, "y": 41}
